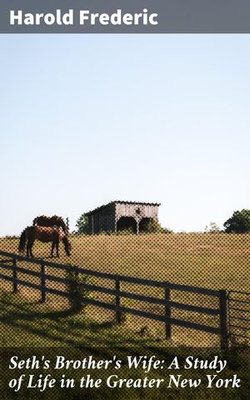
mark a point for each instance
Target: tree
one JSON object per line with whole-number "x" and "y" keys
{"x": 212, "y": 228}
{"x": 239, "y": 222}
{"x": 82, "y": 224}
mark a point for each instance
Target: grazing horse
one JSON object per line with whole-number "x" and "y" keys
{"x": 50, "y": 221}
{"x": 44, "y": 234}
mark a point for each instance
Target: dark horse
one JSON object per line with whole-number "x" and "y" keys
{"x": 44, "y": 234}
{"x": 50, "y": 221}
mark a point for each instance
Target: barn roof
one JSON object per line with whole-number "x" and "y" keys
{"x": 121, "y": 202}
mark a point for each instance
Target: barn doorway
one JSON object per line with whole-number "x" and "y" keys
{"x": 126, "y": 223}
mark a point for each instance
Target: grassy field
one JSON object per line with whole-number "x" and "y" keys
{"x": 214, "y": 261}
{"x": 218, "y": 261}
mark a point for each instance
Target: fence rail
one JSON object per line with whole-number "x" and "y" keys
{"x": 9, "y": 263}
{"x": 239, "y": 302}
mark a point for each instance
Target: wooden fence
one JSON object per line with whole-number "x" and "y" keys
{"x": 239, "y": 315}
{"x": 9, "y": 263}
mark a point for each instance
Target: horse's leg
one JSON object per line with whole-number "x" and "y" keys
{"x": 52, "y": 249}
{"x": 57, "y": 248}
{"x": 28, "y": 249}
{"x": 29, "y": 253}
{"x": 31, "y": 245}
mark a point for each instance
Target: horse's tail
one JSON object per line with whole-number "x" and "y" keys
{"x": 22, "y": 241}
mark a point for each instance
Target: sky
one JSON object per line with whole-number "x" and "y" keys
{"x": 87, "y": 119}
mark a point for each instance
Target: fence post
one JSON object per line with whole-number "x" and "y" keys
{"x": 78, "y": 298}
{"x": 118, "y": 301}
{"x": 15, "y": 289}
{"x": 43, "y": 283}
{"x": 224, "y": 334}
{"x": 167, "y": 312}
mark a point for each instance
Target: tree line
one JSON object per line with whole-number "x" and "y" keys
{"x": 239, "y": 222}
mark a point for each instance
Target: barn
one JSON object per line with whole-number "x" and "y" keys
{"x": 120, "y": 215}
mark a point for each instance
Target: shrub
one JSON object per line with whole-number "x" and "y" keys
{"x": 76, "y": 291}
{"x": 154, "y": 227}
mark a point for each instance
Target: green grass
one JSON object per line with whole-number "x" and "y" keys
{"x": 34, "y": 329}
{"x": 35, "y": 324}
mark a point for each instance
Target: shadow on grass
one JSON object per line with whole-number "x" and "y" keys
{"x": 66, "y": 327}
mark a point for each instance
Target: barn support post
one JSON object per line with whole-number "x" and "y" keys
{"x": 118, "y": 301}
{"x": 224, "y": 333}
{"x": 43, "y": 283}
{"x": 15, "y": 288}
{"x": 167, "y": 312}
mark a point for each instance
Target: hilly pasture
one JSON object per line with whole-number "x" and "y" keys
{"x": 214, "y": 261}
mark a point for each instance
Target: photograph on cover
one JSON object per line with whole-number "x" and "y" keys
{"x": 125, "y": 216}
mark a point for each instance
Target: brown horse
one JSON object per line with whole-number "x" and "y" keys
{"x": 50, "y": 221}
{"x": 44, "y": 234}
